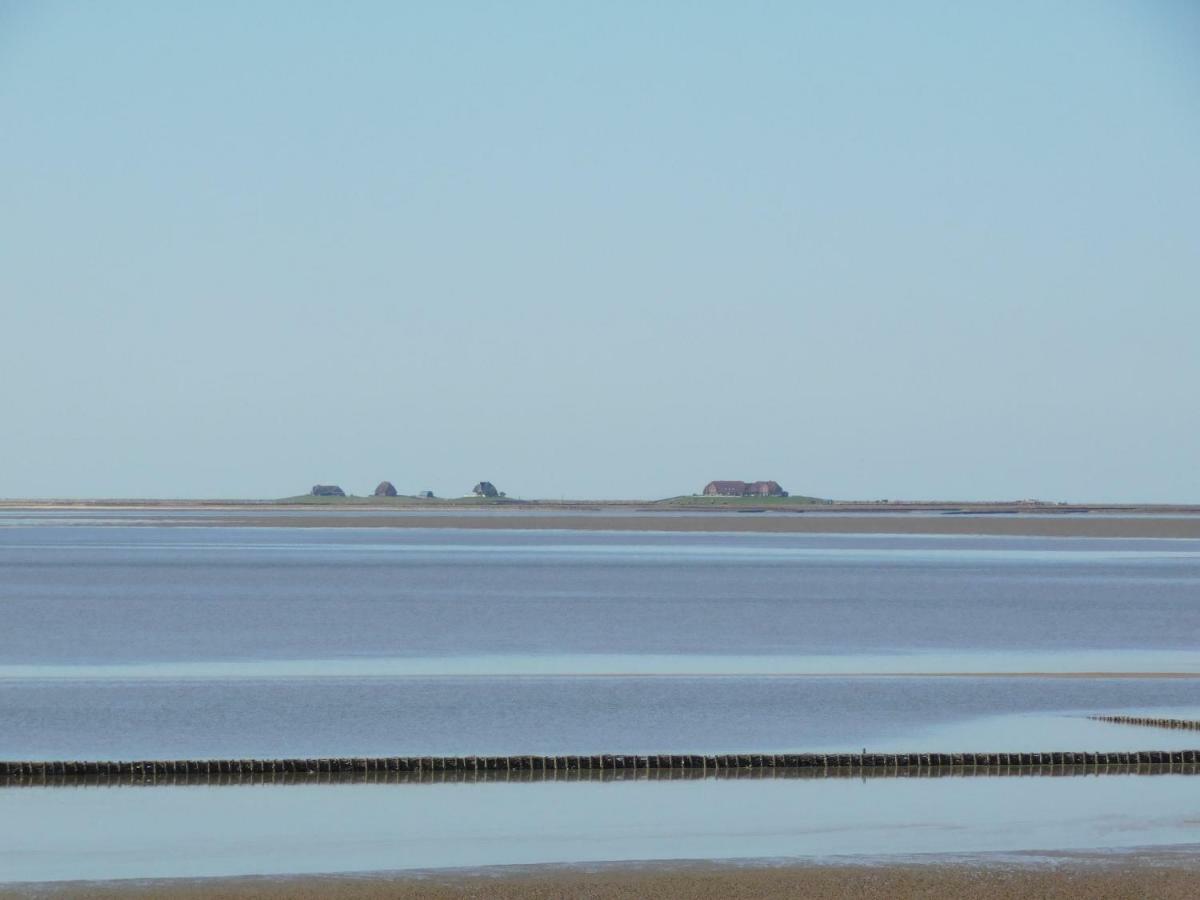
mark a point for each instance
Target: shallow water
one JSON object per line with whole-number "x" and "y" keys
{"x": 76, "y": 595}
{"x": 80, "y": 833}
{"x": 168, "y": 642}
{"x": 171, "y": 641}
{"x": 163, "y": 719}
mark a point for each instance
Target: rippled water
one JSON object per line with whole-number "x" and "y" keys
{"x": 122, "y": 642}
{"x": 494, "y": 716}
{"x": 136, "y": 641}
{"x": 112, "y": 595}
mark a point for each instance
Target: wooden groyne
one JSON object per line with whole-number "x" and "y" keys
{"x": 422, "y": 769}
{"x": 1187, "y": 724}
{"x": 232, "y": 779}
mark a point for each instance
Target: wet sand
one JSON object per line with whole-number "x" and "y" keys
{"x": 687, "y": 515}
{"x": 1165, "y": 875}
{"x": 781, "y": 523}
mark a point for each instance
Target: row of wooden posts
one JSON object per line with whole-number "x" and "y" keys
{"x": 526, "y": 776}
{"x": 1188, "y": 724}
{"x": 186, "y": 771}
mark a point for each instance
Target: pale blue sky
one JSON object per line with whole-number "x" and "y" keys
{"x": 601, "y": 249}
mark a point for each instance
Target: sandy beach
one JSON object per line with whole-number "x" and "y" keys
{"x": 1163, "y": 875}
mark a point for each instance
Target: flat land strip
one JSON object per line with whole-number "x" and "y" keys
{"x": 857, "y": 523}
{"x": 1171, "y": 877}
{"x": 679, "y": 514}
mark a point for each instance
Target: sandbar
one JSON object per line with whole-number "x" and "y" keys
{"x": 1187, "y": 527}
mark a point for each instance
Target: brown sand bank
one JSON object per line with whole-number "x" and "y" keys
{"x": 1027, "y": 526}
{"x": 1171, "y": 877}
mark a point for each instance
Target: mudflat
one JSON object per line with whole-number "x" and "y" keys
{"x": 781, "y": 523}
{"x": 1162, "y": 876}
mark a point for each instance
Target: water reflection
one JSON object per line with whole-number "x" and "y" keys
{"x": 52, "y": 834}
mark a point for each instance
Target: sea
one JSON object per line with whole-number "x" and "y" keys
{"x": 142, "y": 635}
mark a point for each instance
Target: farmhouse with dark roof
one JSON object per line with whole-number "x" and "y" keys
{"x": 744, "y": 489}
{"x": 327, "y": 490}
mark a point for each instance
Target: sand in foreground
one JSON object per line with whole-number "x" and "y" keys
{"x": 1166, "y": 878}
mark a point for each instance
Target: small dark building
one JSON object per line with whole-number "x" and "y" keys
{"x": 385, "y": 489}
{"x": 426, "y": 495}
{"x": 485, "y": 489}
{"x": 327, "y": 490}
{"x": 744, "y": 489}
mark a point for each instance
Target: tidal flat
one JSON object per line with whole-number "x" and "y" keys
{"x": 147, "y": 635}
{"x": 1164, "y": 875}
{"x": 1135, "y": 522}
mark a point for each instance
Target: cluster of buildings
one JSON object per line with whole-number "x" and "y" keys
{"x": 487, "y": 489}
{"x": 387, "y": 489}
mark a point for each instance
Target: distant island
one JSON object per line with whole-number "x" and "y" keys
{"x": 717, "y": 496}
{"x": 714, "y": 494}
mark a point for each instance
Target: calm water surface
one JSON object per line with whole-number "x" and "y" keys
{"x": 126, "y": 641}
{"x": 118, "y": 595}
{"x": 176, "y": 641}
{"x": 77, "y": 833}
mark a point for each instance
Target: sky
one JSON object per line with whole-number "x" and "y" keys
{"x": 601, "y": 250}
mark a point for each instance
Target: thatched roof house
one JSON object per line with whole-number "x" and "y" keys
{"x": 725, "y": 489}
{"x": 385, "y": 489}
{"x": 765, "y": 489}
{"x": 744, "y": 489}
{"x": 485, "y": 489}
{"x": 327, "y": 490}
